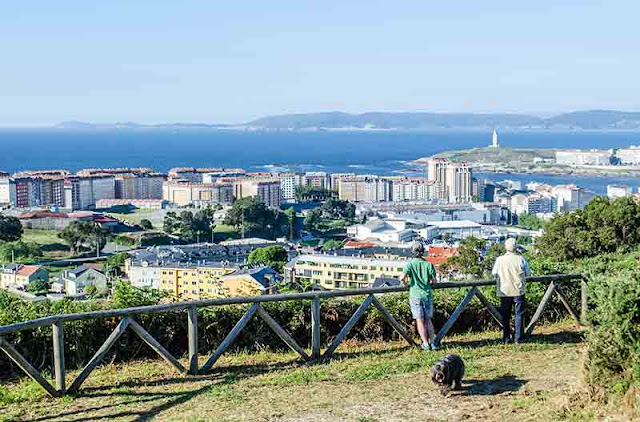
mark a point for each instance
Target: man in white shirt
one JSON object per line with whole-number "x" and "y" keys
{"x": 511, "y": 271}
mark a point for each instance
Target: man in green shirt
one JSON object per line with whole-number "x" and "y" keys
{"x": 421, "y": 276}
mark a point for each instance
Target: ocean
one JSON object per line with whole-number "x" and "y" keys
{"x": 384, "y": 153}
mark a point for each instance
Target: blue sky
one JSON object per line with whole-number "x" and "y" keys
{"x": 231, "y": 61}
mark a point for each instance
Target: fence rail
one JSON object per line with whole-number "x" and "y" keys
{"x": 256, "y": 308}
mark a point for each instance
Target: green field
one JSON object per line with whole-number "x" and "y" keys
{"x": 52, "y": 246}
{"x": 538, "y": 381}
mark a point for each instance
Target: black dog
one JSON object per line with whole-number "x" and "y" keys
{"x": 448, "y": 373}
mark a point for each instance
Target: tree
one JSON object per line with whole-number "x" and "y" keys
{"x": 470, "y": 261}
{"x": 254, "y": 218}
{"x": 146, "y": 224}
{"x": 271, "y": 256}
{"x": 84, "y": 233}
{"x": 603, "y": 226}
{"x": 20, "y": 251}
{"x": 530, "y": 222}
{"x": 332, "y": 245}
{"x": 313, "y": 193}
{"x": 189, "y": 227}
{"x": 10, "y": 229}
{"x": 292, "y": 217}
{"x": 312, "y": 220}
{"x": 38, "y": 287}
{"x": 113, "y": 265}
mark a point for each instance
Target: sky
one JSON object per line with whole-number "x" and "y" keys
{"x": 233, "y": 61}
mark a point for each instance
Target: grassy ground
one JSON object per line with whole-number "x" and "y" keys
{"x": 155, "y": 216}
{"x": 52, "y": 246}
{"x": 538, "y": 381}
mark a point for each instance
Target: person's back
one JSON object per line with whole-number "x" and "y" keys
{"x": 511, "y": 270}
{"x": 421, "y": 275}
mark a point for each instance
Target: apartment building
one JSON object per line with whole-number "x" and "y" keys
{"x": 534, "y": 203}
{"x": 365, "y": 189}
{"x": 82, "y": 192}
{"x": 336, "y": 177}
{"x": 340, "y": 272}
{"x": 458, "y": 182}
{"x": 317, "y": 179}
{"x": 184, "y": 192}
{"x": 571, "y": 197}
{"x": 7, "y": 189}
{"x": 288, "y": 184}
{"x": 413, "y": 190}
{"x": 437, "y": 172}
{"x": 197, "y": 175}
{"x": 266, "y": 191}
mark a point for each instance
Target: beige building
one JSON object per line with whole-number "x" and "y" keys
{"x": 458, "y": 182}
{"x": 339, "y": 272}
{"x": 337, "y": 177}
{"x": 18, "y": 276}
{"x": 267, "y": 191}
{"x": 184, "y": 193}
{"x": 365, "y": 189}
{"x": 437, "y": 172}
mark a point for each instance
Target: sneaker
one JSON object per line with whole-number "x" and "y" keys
{"x": 425, "y": 347}
{"x": 434, "y": 347}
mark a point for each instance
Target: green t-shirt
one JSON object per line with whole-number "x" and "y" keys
{"x": 420, "y": 273}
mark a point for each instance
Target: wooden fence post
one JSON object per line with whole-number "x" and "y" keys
{"x": 192, "y": 314}
{"x": 58, "y": 355}
{"x": 315, "y": 328}
{"x": 584, "y": 302}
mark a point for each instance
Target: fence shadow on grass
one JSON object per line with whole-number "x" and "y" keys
{"x": 503, "y": 384}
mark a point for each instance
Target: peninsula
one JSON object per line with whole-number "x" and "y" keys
{"x": 541, "y": 161}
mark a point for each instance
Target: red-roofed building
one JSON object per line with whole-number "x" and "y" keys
{"x": 18, "y": 276}
{"x": 354, "y": 244}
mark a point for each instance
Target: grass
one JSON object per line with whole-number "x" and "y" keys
{"x": 52, "y": 246}
{"x": 538, "y": 381}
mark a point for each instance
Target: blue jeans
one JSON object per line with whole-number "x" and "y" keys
{"x": 505, "y": 312}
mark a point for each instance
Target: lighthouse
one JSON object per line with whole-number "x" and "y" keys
{"x": 494, "y": 143}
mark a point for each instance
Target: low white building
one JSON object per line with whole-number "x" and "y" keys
{"x": 577, "y": 157}
{"x": 454, "y": 229}
{"x": 389, "y": 230}
{"x": 618, "y": 191}
{"x": 629, "y": 156}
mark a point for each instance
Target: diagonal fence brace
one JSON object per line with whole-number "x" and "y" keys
{"x": 100, "y": 354}
{"x": 454, "y": 316}
{"x": 157, "y": 347}
{"x": 281, "y": 332}
{"x": 348, "y": 326}
{"x": 229, "y": 339}
{"x": 33, "y": 373}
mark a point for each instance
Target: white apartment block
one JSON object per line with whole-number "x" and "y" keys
{"x": 413, "y": 190}
{"x": 579, "y": 157}
{"x": 629, "y": 156}
{"x": 7, "y": 190}
{"x": 571, "y": 197}
{"x": 288, "y": 184}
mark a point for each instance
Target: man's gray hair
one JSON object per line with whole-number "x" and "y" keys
{"x": 417, "y": 250}
{"x": 510, "y": 244}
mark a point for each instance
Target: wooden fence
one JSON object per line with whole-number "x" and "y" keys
{"x": 256, "y": 308}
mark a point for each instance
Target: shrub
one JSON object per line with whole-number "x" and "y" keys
{"x": 613, "y": 360}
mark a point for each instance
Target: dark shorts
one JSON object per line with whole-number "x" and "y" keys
{"x": 421, "y": 308}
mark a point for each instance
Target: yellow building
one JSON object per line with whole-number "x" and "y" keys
{"x": 340, "y": 272}
{"x": 205, "y": 282}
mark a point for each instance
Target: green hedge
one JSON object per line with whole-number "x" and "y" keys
{"x": 83, "y": 338}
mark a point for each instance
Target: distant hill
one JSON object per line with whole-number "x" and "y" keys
{"x": 596, "y": 119}
{"x": 335, "y": 120}
{"x": 338, "y": 120}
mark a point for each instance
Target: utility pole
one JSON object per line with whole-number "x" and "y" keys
{"x": 242, "y": 224}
